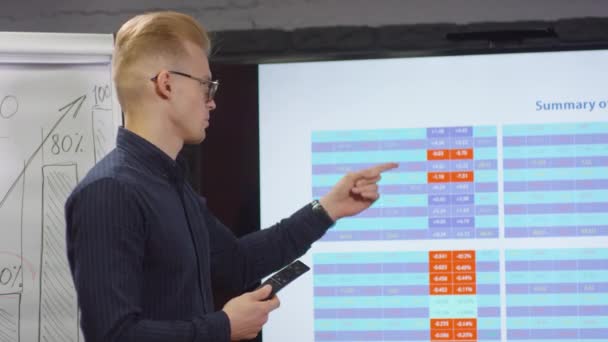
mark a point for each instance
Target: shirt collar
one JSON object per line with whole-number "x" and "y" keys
{"x": 148, "y": 154}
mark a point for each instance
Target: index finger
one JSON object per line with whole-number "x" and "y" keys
{"x": 374, "y": 171}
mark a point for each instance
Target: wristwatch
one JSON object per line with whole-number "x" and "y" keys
{"x": 318, "y": 209}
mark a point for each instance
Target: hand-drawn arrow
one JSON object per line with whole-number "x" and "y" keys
{"x": 67, "y": 109}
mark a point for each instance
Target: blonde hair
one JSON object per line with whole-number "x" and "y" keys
{"x": 148, "y": 37}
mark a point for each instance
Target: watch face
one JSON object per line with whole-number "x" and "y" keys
{"x": 316, "y": 205}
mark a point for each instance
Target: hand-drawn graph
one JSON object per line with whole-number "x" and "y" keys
{"x": 11, "y": 259}
{"x": 58, "y": 116}
{"x": 46, "y": 163}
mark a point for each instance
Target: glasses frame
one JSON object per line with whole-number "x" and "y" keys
{"x": 212, "y": 85}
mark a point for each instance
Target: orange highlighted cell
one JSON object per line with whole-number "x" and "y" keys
{"x": 465, "y": 335}
{"x": 464, "y": 266}
{"x": 461, "y": 154}
{"x": 438, "y": 177}
{"x": 440, "y": 267}
{"x": 441, "y": 278}
{"x": 442, "y": 323}
{"x": 441, "y": 290}
{"x": 440, "y": 255}
{"x": 465, "y": 289}
{"x": 442, "y": 335}
{"x": 465, "y": 278}
{"x": 465, "y": 323}
{"x": 462, "y": 176}
{"x": 463, "y": 255}
{"x": 438, "y": 154}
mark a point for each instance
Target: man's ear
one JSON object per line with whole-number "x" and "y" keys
{"x": 162, "y": 84}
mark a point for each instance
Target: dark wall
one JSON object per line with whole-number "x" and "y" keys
{"x": 224, "y": 168}
{"x": 229, "y": 157}
{"x": 229, "y": 171}
{"x": 219, "y": 15}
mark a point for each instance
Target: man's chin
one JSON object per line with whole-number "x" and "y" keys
{"x": 195, "y": 139}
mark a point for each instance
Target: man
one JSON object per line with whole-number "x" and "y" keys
{"x": 143, "y": 248}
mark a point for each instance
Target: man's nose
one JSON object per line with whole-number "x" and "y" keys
{"x": 211, "y": 104}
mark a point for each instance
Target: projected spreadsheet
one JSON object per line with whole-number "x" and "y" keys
{"x": 557, "y": 295}
{"x": 446, "y": 185}
{"x": 407, "y": 296}
{"x": 556, "y": 180}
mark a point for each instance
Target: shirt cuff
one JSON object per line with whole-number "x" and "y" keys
{"x": 323, "y": 215}
{"x": 318, "y": 221}
{"x": 218, "y": 327}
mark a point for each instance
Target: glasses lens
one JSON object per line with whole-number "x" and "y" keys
{"x": 212, "y": 90}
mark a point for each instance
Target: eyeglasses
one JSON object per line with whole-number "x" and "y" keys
{"x": 211, "y": 85}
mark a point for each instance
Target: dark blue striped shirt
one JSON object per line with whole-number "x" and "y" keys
{"x": 144, "y": 250}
